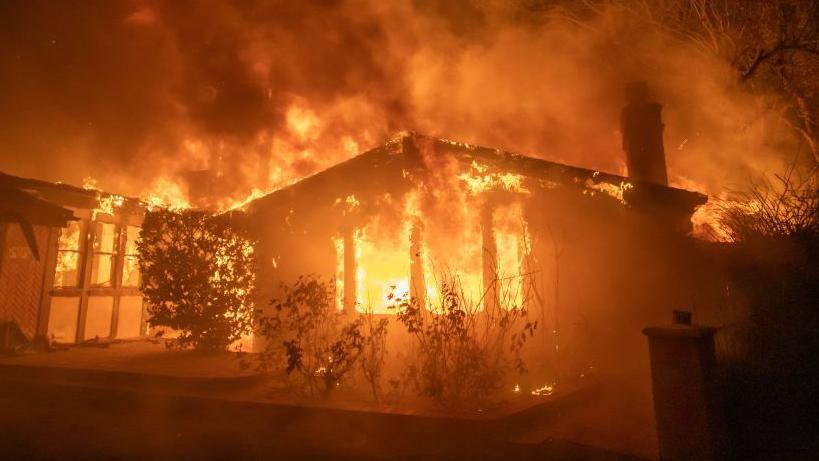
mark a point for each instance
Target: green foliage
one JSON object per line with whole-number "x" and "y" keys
{"x": 308, "y": 335}
{"x": 464, "y": 352}
{"x": 197, "y": 277}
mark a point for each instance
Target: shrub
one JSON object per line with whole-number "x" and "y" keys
{"x": 773, "y": 263}
{"x": 197, "y": 277}
{"x": 375, "y": 351}
{"x": 464, "y": 353}
{"x": 786, "y": 209}
{"x": 308, "y": 335}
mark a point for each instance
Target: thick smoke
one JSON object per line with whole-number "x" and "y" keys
{"x": 264, "y": 93}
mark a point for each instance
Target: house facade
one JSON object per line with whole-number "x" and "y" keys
{"x": 75, "y": 279}
{"x": 576, "y": 247}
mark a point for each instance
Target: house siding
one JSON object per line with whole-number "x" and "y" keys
{"x": 21, "y": 278}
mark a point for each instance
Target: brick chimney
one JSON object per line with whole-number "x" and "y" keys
{"x": 642, "y": 127}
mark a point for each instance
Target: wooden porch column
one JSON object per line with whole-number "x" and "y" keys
{"x": 489, "y": 254}
{"x": 350, "y": 271}
{"x": 418, "y": 288}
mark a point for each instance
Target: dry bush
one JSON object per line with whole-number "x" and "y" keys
{"x": 374, "y": 354}
{"x": 308, "y": 335}
{"x": 463, "y": 353}
{"x": 789, "y": 209}
{"x": 773, "y": 263}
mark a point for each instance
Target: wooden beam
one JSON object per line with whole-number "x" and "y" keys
{"x": 350, "y": 269}
{"x": 418, "y": 289}
{"x": 489, "y": 252}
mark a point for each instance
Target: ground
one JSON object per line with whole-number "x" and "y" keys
{"x": 138, "y": 400}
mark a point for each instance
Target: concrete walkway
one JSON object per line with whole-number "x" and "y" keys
{"x": 137, "y": 357}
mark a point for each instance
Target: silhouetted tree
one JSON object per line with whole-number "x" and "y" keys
{"x": 773, "y": 46}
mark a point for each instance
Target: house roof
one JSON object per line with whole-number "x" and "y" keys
{"x": 33, "y": 202}
{"x": 60, "y": 194}
{"x": 23, "y": 208}
{"x": 379, "y": 169}
{"x": 19, "y": 206}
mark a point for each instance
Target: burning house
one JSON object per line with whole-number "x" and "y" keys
{"x": 68, "y": 262}
{"x": 576, "y": 247}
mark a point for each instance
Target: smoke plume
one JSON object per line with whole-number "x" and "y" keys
{"x": 134, "y": 92}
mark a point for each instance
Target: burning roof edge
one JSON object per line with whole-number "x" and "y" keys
{"x": 62, "y": 194}
{"x": 407, "y": 142}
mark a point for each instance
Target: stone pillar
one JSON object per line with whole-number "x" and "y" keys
{"x": 684, "y": 382}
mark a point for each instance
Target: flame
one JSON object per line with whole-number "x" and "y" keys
{"x": 303, "y": 122}
{"x": 240, "y": 204}
{"x": 165, "y": 193}
{"x": 706, "y": 220}
{"x": 66, "y": 262}
{"x": 89, "y": 183}
{"x": 338, "y": 242}
{"x": 349, "y": 204}
{"x": 383, "y": 267}
{"x": 68, "y": 256}
{"x": 544, "y": 390}
{"x": 350, "y": 146}
{"x": 225, "y": 268}
{"x": 511, "y": 244}
{"x": 615, "y": 191}
{"x": 478, "y": 180}
{"x": 453, "y": 250}
{"x": 107, "y": 205}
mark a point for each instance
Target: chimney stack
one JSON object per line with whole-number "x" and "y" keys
{"x": 201, "y": 185}
{"x": 642, "y": 127}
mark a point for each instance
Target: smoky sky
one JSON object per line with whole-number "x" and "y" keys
{"x": 112, "y": 79}
{"x": 265, "y": 92}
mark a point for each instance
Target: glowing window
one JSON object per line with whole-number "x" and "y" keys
{"x": 130, "y": 263}
{"x": 382, "y": 267}
{"x": 104, "y": 255}
{"x": 510, "y": 243}
{"x": 66, "y": 273}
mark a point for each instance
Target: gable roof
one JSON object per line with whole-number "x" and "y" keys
{"x": 379, "y": 169}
